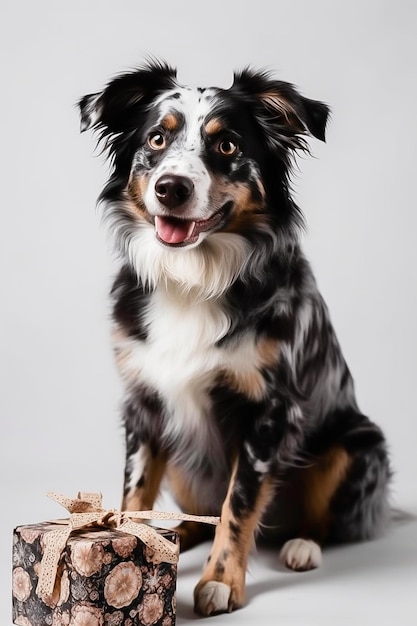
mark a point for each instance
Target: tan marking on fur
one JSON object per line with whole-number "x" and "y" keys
{"x": 143, "y": 498}
{"x": 214, "y": 126}
{"x": 243, "y": 199}
{"x": 170, "y": 122}
{"x": 181, "y": 490}
{"x": 128, "y": 373}
{"x": 246, "y": 212}
{"x": 276, "y": 101}
{"x": 269, "y": 350}
{"x": 136, "y": 189}
{"x": 190, "y": 533}
{"x": 118, "y": 335}
{"x": 122, "y": 353}
{"x": 232, "y": 552}
{"x": 251, "y": 382}
{"x": 320, "y": 482}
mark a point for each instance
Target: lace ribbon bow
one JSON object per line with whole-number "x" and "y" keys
{"x": 86, "y": 511}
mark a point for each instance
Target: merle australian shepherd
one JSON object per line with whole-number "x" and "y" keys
{"x": 236, "y": 387}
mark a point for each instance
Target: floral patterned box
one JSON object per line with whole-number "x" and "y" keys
{"x": 105, "y": 578}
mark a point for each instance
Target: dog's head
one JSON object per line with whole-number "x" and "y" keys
{"x": 195, "y": 161}
{"x": 190, "y": 163}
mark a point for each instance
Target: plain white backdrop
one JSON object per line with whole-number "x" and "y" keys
{"x": 60, "y": 393}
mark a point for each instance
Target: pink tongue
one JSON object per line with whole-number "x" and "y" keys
{"x": 173, "y": 231}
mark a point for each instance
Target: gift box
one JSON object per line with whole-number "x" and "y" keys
{"x": 97, "y": 568}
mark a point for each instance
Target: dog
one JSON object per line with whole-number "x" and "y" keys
{"x": 237, "y": 391}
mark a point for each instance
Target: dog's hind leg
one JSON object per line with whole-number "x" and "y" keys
{"x": 315, "y": 485}
{"x": 360, "y": 509}
{"x": 344, "y": 495}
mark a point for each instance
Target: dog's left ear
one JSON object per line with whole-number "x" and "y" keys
{"x": 298, "y": 112}
{"x": 282, "y": 106}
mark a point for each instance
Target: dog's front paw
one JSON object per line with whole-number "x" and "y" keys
{"x": 212, "y": 596}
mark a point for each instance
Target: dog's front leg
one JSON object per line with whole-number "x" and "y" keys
{"x": 143, "y": 475}
{"x": 222, "y": 586}
{"x": 145, "y": 460}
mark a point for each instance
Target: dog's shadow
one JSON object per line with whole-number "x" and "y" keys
{"x": 387, "y": 552}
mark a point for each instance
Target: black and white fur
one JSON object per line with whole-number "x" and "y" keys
{"x": 236, "y": 387}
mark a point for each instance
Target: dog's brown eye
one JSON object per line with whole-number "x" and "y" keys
{"x": 227, "y": 147}
{"x": 156, "y": 141}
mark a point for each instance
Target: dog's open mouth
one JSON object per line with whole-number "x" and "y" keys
{"x": 175, "y": 231}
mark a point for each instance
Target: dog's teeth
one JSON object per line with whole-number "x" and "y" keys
{"x": 190, "y": 230}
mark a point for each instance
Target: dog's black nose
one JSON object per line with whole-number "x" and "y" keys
{"x": 173, "y": 191}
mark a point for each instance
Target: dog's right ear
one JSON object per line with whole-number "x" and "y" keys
{"x": 89, "y": 111}
{"x": 119, "y": 106}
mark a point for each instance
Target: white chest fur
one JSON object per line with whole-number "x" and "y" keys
{"x": 180, "y": 352}
{"x": 180, "y": 360}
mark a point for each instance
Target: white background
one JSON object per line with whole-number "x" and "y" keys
{"x": 60, "y": 394}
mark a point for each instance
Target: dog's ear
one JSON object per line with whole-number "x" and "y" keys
{"x": 280, "y": 106}
{"x": 118, "y": 107}
{"x": 316, "y": 115}
{"x": 298, "y": 112}
{"x": 89, "y": 111}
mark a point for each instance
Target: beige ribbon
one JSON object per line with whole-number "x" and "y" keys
{"x": 86, "y": 511}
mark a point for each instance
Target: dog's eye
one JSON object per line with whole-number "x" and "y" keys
{"x": 156, "y": 141}
{"x": 227, "y": 147}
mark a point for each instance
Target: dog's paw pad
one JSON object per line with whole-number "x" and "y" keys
{"x": 301, "y": 555}
{"x": 212, "y": 597}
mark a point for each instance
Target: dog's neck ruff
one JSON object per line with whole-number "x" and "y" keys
{"x": 205, "y": 271}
